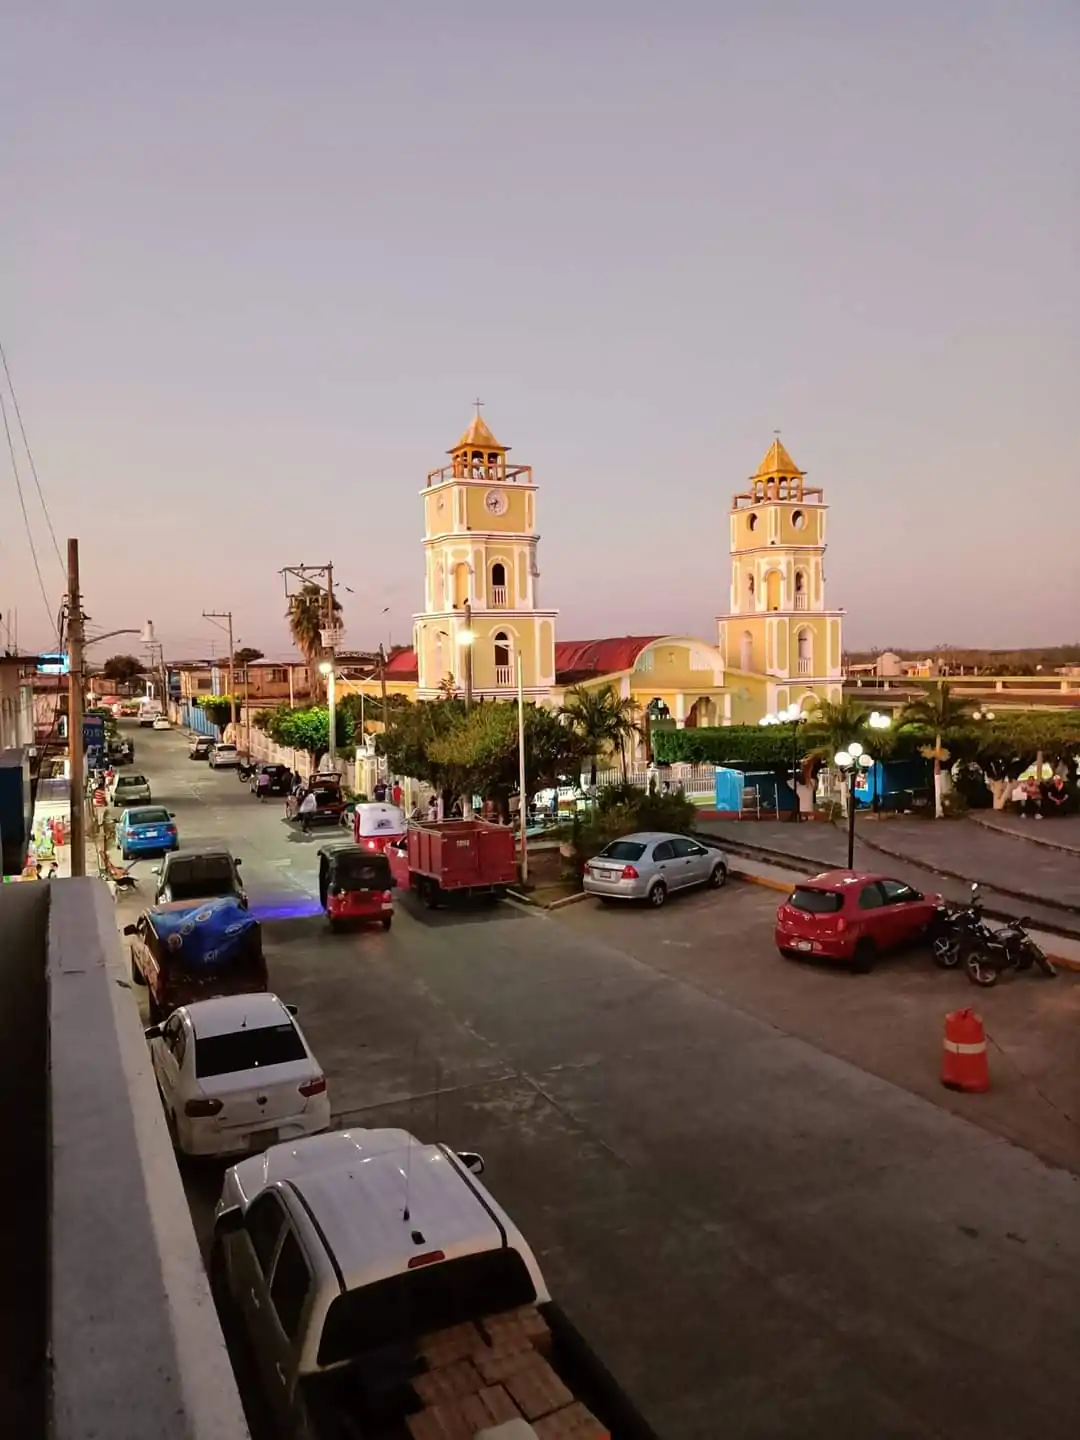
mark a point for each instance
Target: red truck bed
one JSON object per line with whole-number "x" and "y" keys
{"x": 461, "y": 856}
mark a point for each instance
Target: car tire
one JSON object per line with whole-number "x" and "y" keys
{"x": 124, "y": 856}
{"x": 865, "y": 954}
{"x": 718, "y": 877}
{"x": 657, "y": 895}
{"x": 137, "y": 977}
{"x": 388, "y": 920}
{"x": 152, "y": 1011}
{"x": 787, "y": 952}
{"x": 429, "y": 892}
{"x": 336, "y": 926}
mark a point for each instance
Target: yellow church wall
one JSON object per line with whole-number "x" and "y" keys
{"x": 673, "y": 667}
{"x": 788, "y": 533}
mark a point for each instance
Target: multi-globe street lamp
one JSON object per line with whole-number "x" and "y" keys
{"x": 794, "y": 716}
{"x": 850, "y": 762}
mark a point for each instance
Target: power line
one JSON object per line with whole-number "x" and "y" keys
{"x": 22, "y": 506}
{"x": 30, "y": 456}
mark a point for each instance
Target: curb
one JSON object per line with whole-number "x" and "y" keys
{"x": 1031, "y": 839}
{"x": 524, "y": 899}
{"x": 766, "y": 881}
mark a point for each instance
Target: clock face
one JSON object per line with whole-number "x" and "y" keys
{"x": 495, "y": 502}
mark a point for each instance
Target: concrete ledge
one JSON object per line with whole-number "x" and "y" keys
{"x": 136, "y": 1349}
{"x": 1036, "y": 836}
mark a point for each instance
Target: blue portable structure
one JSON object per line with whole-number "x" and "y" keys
{"x": 729, "y": 789}
{"x": 895, "y": 784}
{"x": 205, "y": 933}
{"x": 773, "y": 791}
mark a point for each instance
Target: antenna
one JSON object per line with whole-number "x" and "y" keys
{"x": 406, "y": 1214}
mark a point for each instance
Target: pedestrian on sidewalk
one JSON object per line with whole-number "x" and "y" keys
{"x": 1057, "y": 799}
{"x": 308, "y": 806}
{"x": 1031, "y": 804}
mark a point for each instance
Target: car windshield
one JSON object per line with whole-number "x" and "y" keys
{"x": 622, "y": 850}
{"x": 201, "y": 879}
{"x": 361, "y": 872}
{"x": 816, "y": 902}
{"x": 148, "y": 817}
{"x": 122, "y": 780}
{"x": 420, "y": 1302}
{"x": 247, "y": 1050}
{"x": 225, "y": 749}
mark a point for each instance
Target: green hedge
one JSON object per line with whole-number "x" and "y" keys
{"x": 728, "y": 745}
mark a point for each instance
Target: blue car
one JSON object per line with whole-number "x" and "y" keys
{"x": 146, "y": 831}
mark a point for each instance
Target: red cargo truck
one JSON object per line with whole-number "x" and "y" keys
{"x": 460, "y": 857}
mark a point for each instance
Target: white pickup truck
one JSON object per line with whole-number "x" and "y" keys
{"x": 381, "y": 1293}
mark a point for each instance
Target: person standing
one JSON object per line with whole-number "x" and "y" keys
{"x": 308, "y": 806}
{"x": 396, "y": 793}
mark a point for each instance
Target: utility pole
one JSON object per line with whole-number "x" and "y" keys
{"x": 77, "y": 784}
{"x": 468, "y": 656}
{"x": 217, "y": 616}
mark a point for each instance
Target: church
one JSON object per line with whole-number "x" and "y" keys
{"x": 482, "y": 619}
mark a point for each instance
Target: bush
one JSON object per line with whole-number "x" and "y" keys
{"x": 750, "y": 745}
{"x": 622, "y": 809}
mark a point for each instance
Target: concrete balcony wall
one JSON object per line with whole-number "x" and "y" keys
{"x": 108, "y": 1281}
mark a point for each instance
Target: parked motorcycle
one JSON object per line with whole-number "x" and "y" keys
{"x": 1008, "y": 948}
{"x": 956, "y": 932}
{"x": 245, "y": 770}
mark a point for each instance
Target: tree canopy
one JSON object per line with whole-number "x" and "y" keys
{"x": 246, "y": 654}
{"x": 123, "y": 668}
{"x": 305, "y": 730}
{"x": 603, "y": 720}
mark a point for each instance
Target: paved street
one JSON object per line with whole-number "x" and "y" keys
{"x": 761, "y": 1238}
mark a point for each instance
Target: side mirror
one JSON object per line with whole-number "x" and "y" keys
{"x": 156, "y": 870}
{"x": 293, "y": 1009}
{"x": 238, "y": 862}
{"x": 153, "y": 1032}
{"x": 129, "y": 929}
{"x": 170, "y": 814}
{"x": 473, "y": 1162}
{"x": 229, "y": 1222}
{"x": 975, "y": 888}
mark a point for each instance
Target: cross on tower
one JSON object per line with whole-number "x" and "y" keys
{"x": 478, "y": 403}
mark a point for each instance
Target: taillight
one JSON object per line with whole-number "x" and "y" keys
{"x": 200, "y": 1109}
{"x": 629, "y": 873}
{"x": 431, "y": 1258}
{"x": 386, "y": 895}
{"x": 313, "y": 1087}
{"x": 170, "y": 829}
{"x": 841, "y": 924}
{"x": 371, "y": 844}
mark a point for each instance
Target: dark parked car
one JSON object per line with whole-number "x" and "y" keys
{"x": 199, "y": 875}
{"x": 278, "y": 780}
{"x": 200, "y": 747}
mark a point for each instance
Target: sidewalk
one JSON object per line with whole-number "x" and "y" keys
{"x": 1063, "y": 834}
{"x": 947, "y": 855}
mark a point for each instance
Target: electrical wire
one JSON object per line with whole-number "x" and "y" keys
{"x": 22, "y": 506}
{"x": 30, "y": 458}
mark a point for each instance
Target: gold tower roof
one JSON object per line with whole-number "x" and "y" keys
{"x": 777, "y": 462}
{"x": 478, "y": 437}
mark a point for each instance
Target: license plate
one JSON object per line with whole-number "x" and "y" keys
{"x": 803, "y": 945}
{"x": 149, "y": 835}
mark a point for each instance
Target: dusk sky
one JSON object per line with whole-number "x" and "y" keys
{"x": 258, "y": 258}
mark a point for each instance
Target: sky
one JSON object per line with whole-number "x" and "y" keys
{"x": 257, "y": 260}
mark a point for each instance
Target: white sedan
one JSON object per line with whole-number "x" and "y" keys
{"x": 161, "y": 723}
{"x": 236, "y": 1075}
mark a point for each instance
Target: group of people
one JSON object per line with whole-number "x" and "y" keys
{"x": 1048, "y": 800}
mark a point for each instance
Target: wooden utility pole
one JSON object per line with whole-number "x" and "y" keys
{"x": 217, "y": 616}
{"x": 468, "y": 653}
{"x": 77, "y": 780}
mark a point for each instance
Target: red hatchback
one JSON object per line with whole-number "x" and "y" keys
{"x": 845, "y": 915}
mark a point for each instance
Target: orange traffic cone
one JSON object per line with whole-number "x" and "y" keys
{"x": 964, "y": 1064}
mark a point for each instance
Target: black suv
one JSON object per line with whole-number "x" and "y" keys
{"x": 198, "y": 875}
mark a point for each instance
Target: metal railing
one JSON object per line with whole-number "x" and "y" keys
{"x": 805, "y": 667}
{"x": 498, "y": 597}
{"x": 801, "y": 600}
{"x": 504, "y": 675}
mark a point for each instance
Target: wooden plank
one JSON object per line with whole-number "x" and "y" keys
{"x": 537, "y": 1390}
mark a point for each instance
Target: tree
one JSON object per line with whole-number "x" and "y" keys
{"x": 305, "y": 730}
{"x": 603, "y": 720}
{"x": 409, "y": 735}
{"x": 123, "y": 668}
{"x": 940, "y": 711}
{"x": 834, "y": 724}
{"x": 308, "y": 615}
{"x": 246, "y": 655}
{"x": 480, "y": 755}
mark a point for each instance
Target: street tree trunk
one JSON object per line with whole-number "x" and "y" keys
{"x": 939, "y": 808}
{"x": 1000, "y": 790}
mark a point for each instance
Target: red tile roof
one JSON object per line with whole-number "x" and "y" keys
{"x": 577, "y": 660}
{"x": 403, "y": 666}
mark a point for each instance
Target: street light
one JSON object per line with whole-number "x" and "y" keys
{"x": 878, "y": 721}
{"x": 327, "y": 669}
{"x": 983, "y": 715}
{"x": 849, "y": 762}
{"x": 794, "y": 716}
{"x": 466, "y": 639}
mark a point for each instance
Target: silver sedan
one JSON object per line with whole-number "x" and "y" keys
{"x": 650, "y": 865}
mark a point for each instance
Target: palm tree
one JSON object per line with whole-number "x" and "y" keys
{"x": 602, "y": 720}
{"x": 835, "y": 724}
{"x": 308, "y": 616}
{"x": 940, "y": 712}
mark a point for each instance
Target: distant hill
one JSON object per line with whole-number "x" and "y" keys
{"x": 991, "y": 662}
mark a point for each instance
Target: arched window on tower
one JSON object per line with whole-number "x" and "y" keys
{"x": 772, "y": 590}
{"x": 504, "y": 669}
{"x": 746, "y": 652}
{"x": 461, "y": 585}
{"x": 498, "y": 584}
{"x": 801, "y": 601}
{"x": 750, "y": 590}
{"x": 806, "y": 652}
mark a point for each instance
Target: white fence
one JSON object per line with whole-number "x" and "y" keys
{"x": 691, "y": 779}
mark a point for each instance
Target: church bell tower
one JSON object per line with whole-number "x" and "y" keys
{"x": 777, "y": 625}
{"x": 481, "y": 602}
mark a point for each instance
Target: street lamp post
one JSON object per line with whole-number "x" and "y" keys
{"x": 794, "y": 716}
{"x": 327, "y": 669}
{"x": 849, "y": 762}
{"x": 466, "y": 639}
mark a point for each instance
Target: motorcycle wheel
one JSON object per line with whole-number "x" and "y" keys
{"x": 981, "y": 972}
{"x": 946, "y": 952}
